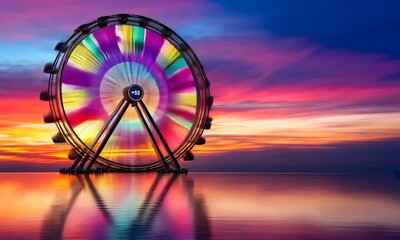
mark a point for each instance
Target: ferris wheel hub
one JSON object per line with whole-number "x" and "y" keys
{"x": 133, "y": 93}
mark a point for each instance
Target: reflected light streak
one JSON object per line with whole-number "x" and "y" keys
{"x": 324, "y": 199}
{"x": 326, "y": 205}
{"x": 142, "y": 205}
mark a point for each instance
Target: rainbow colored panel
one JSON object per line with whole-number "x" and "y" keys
{"x": 117, "y": 56}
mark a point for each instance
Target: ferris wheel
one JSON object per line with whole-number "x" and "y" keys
{"x": 129, "y": 95}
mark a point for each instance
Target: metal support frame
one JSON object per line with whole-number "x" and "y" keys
{"x": 86, "y": 155}
{"x": 150, "y": 134}
{"x": 154, "y": 125}
{"x": 108, "y": 134}
{"x": 115, "y": 118}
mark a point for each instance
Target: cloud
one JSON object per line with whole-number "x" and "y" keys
{"x": 62, "y": 17}
{"x": 21, "y": 81}
{"x": 296, "y": 74}
{"x": 273, "y": 91}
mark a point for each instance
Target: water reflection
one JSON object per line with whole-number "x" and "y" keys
{"x": 199, "y": 206}
{"x": 151, "y": 206}
{"x": 302, "y": 206}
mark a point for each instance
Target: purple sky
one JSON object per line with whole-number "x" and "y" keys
{"x": 298, "y": 87}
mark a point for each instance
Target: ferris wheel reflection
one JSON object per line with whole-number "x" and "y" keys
{"x": 127, "y": 206}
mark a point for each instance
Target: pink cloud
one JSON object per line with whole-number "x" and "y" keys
{"x": 29, "y": 20}
{"x": 294, "y": 71}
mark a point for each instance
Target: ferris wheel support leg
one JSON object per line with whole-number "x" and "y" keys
{"x": 84, "y": 160}
{"x": 85, "y": 155}
{"x": 77, "y": 160}
{"x": 108, "y": 135}
{"x": 150, "y": 134}
{"x": 154, "y": 125}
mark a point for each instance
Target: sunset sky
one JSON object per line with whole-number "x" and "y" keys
{"x": 297, "y": 86}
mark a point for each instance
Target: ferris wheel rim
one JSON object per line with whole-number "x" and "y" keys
{"x": 201, "y": 84}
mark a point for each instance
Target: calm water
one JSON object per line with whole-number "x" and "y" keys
{"x": 199, "y": 206}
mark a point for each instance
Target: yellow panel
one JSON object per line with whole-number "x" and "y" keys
{"x": 168, "y": 55}
{"x": 186, "y": 99}
{"x": 88, "y": 130}
{"x": 74, "y": 98}
{"x": 84, "y": 59}
{"x": 125, "y": 32}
